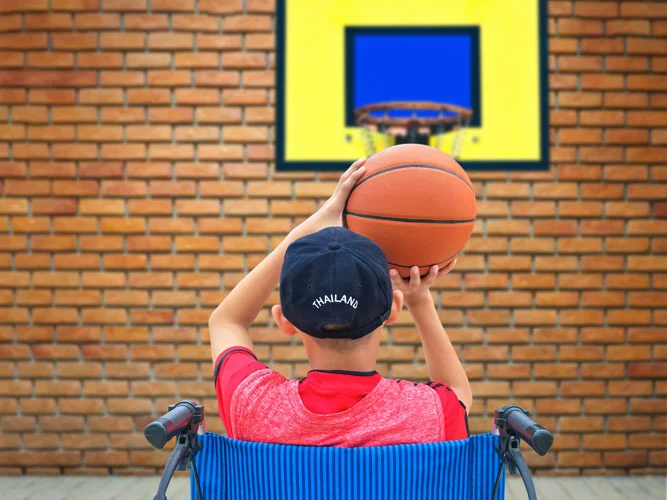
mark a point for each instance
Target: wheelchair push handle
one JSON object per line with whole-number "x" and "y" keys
{"x": 516, "y": 419}
{"x": 169, "y": 425}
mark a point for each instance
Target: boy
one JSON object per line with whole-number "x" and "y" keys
{"x": 335, "y": 293}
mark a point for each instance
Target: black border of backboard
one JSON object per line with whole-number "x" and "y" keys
{"x": 475, "y": 64}
{"x": 314, "y": 165}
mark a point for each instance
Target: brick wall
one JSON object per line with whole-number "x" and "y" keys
{"x": 137, "y": 187}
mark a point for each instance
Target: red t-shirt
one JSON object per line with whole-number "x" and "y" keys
{"x": 324, "y": 392}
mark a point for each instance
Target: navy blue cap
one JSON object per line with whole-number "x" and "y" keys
{"x": 335, "y": 277}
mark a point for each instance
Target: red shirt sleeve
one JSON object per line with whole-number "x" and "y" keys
{"x": 454, "y": 411}
{"x": 231, "y": 368}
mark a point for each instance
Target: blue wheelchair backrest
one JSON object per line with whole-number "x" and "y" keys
{"x": 230, "y": 469}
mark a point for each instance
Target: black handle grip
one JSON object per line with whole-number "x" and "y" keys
{"x": 160, "y": 431}
{"x": 530, "y": 431}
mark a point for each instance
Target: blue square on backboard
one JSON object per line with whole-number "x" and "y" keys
{"x": 433, "y": 64}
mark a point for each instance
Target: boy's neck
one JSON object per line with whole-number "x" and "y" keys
{"x": 343, "y": 367}
{"x": 357, "y": 356}
{"x": 326, "y": 360}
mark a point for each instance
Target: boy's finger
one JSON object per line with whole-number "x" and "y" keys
{"x": 358, "y": 163}
{"x": 414, "y": 276}
{"x": 431, "y": 276}
{"x": 395, "y": 278}
{"x": 349, "y": 183}
{"x": 447, "y": 268}
{"x": 353, "y": 168}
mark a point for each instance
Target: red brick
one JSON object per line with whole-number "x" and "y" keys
{"x": 581, "y": 63}
{"x": 197, "y": 60}
{"x": 595, "y": 9}
{"x": 12, "y": 96}
{"x": 170, "y": 115}
{"x": 116, "y": 261}
{"x": 103, "y": 280}
{"x": 73, "y": 115}
{"x": 197, "y": 96}
{"x": 122, "y": 78}
{"x": 149, "y": 207}
{"x": 34, "y": 297}
{"x": 579, "y": 136}
{"x": 123, "y": 188}
{"x": 150, "y": 280}
{"x": 125, "y": 5}
{"x": 646, "y": 82}
{"x": 643, "y": 10}
{"x": 216, "y": 79}
{"x": 170, "y": 41}
{"x": 185, "y": 22}
{"x": 11, "y": 22}
{"x": 29, "y": 78}
{"x": 13, "y": 243}
{"x": 647, "y": 118}
{"x": 648, "y": 406}
{"x": 172, "y": 5}
{"x": 243, "y": 60}
{"x": 147, "y": 96}
{"x": 647, "y": 370}
{"x": 218, "y": 115}
{"x": 51, "y": 133}
{"x": 46, "y": 60}
{"x": 655, "y": 46}
{"x": 147, "y": 60}
{"x": 146, "y": 22}
{"x": 571, "y": 26}
{"x": 169, "y": 78}
{"x": 17, "y": 41}
{"x": 97, "y": 21}
{"x": 29, "y": 114}
{"x": 220, "y": 152}
{"x": 645, "y": 155}
{"x": 95, "y": 60}
{"x": 29, "y": 188}
{"x": 152, "y": 352}
{"x": 171, "y": 151}
{"x": 580, "y": 99}
{"x": 53, "y": 243}
{"x": 148, "y": 244}
{"x": 602, "y": 263}
{"x": 12, "y": 169}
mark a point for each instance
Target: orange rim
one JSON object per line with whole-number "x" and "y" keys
{"x": 363, "y": 114}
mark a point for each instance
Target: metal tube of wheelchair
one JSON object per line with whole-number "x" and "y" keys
{"x": 160, "y": 431}
{"x": 530, "y": 431}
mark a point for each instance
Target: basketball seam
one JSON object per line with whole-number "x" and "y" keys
{"x": 417, "y": 165}
{"x": 402, "y": 219}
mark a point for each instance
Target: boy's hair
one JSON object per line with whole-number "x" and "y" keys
{"x": 340, "y": 345}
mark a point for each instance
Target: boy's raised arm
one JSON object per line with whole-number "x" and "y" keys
{"x": 230, "y": 322}
{"x": 441, "y": 360}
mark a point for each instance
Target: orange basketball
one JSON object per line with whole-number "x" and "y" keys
{"x": 416, "y": 203}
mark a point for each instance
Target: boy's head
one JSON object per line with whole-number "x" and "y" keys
{"x": 335, "y": 288}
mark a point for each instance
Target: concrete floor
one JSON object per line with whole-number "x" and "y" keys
{"x": 130, "y": 488}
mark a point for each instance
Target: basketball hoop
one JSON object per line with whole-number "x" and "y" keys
{"x": 427, "y": 119}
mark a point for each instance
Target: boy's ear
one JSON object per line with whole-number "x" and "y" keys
{"x": 283, "y": 323}
{"x": 396, "y": 307}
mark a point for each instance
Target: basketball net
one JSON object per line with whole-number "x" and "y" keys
{"x": 376, "y": 119}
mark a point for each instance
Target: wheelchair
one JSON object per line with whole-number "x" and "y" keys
{"x": 227, "y": 469}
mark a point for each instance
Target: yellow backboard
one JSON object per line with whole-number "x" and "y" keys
{"x": 488, "y": 56}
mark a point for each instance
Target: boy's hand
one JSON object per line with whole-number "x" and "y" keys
{"x": 331, "y": 213}
{"x": 416, "y": 289}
